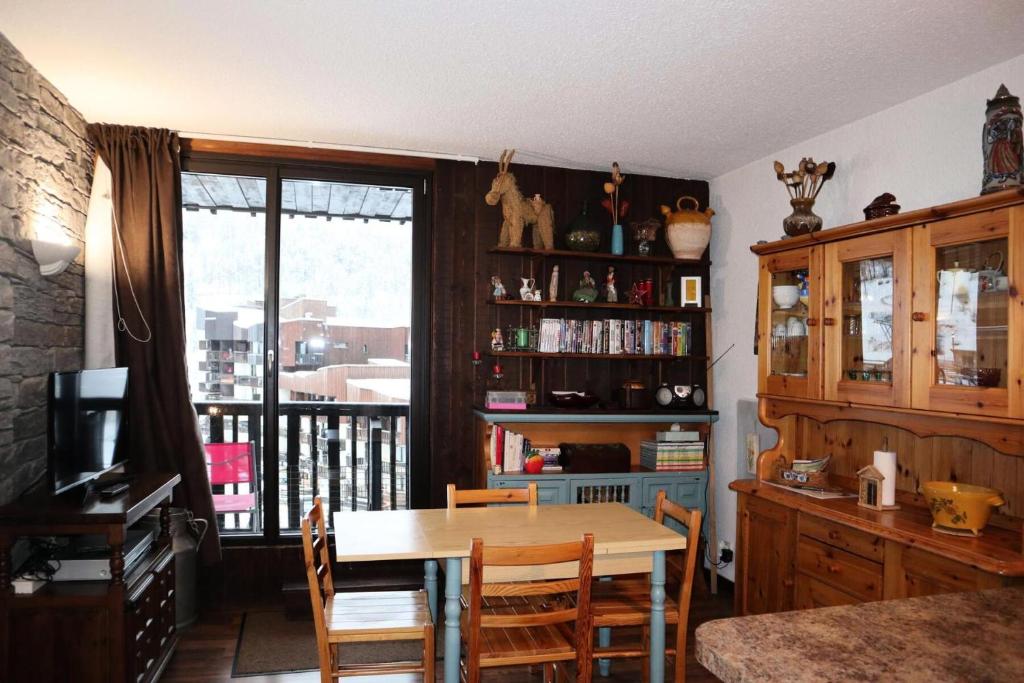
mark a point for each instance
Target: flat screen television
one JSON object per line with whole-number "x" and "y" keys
{"x": 86, "y": 412}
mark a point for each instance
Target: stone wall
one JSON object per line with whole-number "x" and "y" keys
{"x": 45, "y": 178}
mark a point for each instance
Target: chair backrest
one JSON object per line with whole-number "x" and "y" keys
{"x": 560, "y": 611}
{"x": 487, "y": 496}
{"x": 230, "y": 463}
{"x": 318, "y": 575}
{"x": 663, "y": 507}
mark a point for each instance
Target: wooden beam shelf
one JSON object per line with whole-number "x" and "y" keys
{"x": 600, "y": 304}
{"x": 595, "y": 256}
{"x": 601, "y": 356}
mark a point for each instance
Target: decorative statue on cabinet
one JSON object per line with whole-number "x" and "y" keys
{"x": 1001, "y": 142}
{"x": 518, "y": 212}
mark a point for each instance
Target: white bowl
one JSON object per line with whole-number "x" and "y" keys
{"x": 785, "y": 296}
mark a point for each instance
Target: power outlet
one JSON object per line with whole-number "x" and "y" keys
{"x": 724, "y": 552}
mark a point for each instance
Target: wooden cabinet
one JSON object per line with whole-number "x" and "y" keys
{"x": 789, "y": 558}
{"x": 789, "y": 320}
{"x": 865, "y": 317}
{"x": 922, "y": 573}
{"x": 968, "y": 321}
{"x": 766, "y": 539}
{"x": 923, "y": 313}
{"x": 121, "y": 630}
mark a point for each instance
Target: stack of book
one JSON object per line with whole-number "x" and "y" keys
{"x": 672, "y": 456}
{"x": 551, "y": 456}
{"x": 641, "y": 337}
{"x": 508, "y": 450}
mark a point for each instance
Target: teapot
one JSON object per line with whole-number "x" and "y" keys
{"x": 526, "y": 291}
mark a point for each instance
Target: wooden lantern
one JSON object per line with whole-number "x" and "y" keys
{"x": 870, "y": 494}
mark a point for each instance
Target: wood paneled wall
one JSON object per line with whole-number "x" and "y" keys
{"x": 936, "y": 458}
{"x": 465, "y": 227}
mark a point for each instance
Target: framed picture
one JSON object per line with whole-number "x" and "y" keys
{"x": 689, "y": 291}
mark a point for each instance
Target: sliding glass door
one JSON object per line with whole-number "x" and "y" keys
{"x": 323, "y": 401}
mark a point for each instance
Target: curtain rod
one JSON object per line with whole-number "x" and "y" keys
{"x": 329, "y": 145}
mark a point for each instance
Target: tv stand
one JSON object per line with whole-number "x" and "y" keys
{"x": 118, "y": 630}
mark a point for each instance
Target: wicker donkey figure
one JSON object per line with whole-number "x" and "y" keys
{"x": 518, "y": 211}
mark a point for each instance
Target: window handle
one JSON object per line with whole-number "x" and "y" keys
{"x": 270, "y": 361}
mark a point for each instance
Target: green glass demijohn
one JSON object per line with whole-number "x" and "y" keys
{"x": 581, "y": 234}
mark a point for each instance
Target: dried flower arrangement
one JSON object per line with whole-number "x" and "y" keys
{"x": 806, "y": 181}
{"x": 612, "y": 204}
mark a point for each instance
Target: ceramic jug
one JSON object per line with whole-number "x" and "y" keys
{"x": 526, "y": 291}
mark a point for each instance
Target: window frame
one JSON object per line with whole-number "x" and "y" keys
{"x": 273, "y": 169}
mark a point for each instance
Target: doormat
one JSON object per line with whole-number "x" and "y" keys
{"x": 269, "y": 643}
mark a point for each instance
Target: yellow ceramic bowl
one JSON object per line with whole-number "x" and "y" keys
{"x": 961, "y": 506}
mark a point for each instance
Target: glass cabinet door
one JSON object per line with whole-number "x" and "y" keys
{"x": 964, "y": 305}
{"x": 867, "y": 283}
{"x": 789, "y": 332}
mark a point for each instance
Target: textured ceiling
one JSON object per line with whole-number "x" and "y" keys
{"x": 678, "y": 88}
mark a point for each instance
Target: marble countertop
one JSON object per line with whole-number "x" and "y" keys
{"x": 954, "y": 637}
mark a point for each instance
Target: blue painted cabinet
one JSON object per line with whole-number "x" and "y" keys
{"x": 639, "y": 490}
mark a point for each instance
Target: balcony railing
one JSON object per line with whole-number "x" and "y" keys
{"x": 353, "y": 455}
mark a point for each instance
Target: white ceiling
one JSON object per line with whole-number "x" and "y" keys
{"x": 693, "y": 88}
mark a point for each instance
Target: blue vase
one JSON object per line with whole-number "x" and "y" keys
{"x": 617, "y": 240}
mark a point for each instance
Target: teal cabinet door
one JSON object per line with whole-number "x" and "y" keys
{"x": 684, "y": 488}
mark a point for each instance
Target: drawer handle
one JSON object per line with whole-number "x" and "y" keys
{"x": 828, "y": 322}
{"x": 918, "y": 316}
{"x": 812, "y": 322}
{"x": 834, "y": 569}
{"x": 788, "y": 583}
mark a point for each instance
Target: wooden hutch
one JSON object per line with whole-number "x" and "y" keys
{"x": 910, "y": 332}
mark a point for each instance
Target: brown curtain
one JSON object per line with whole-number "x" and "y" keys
{"x": 163, "y": 429}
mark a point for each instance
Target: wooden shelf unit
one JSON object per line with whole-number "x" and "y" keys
{"x": 599, "y": 356}
{"x": 595, "y": 256}
{"x": 672, "y": 310}
{"x": 940, "y": 431}
{"x": 118, "y": 630}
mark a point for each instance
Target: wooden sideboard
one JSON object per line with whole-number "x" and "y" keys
{"x": 118, "y": 630}
{"x": 902, "y": 333}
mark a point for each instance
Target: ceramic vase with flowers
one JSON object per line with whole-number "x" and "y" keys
{"x": 803, "y": 186}
{"x": 616, "y": 207}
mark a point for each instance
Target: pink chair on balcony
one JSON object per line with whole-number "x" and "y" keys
{"x": 232, "y": 464}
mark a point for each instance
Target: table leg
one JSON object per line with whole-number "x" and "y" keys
{"x": 658, "y": 617}
{"x": 604, "y": 639}
{"x": 452, "y": 612}
{"x": 430, "y": 583}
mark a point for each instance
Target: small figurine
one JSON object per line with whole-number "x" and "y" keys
{"x": 497, "y": 341}
{"x": 611, "y": 293}
{"x": 553, "y": 286}
{"x": 498, "y": 289}
{"x": 668, "y": 300}
{"x": 587, "y": 291}
{"x": 636, "y": 294}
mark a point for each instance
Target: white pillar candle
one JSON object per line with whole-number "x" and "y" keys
{"x": 885, "y": 462}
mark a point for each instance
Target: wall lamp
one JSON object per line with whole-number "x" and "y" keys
{"x": 53, "y": 258}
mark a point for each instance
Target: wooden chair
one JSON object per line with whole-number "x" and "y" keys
{"x": 529, "y": 633}
{"x": 360, "y": 617}
{"x": 488, "y": 496}
{"x": 627, "y": 602}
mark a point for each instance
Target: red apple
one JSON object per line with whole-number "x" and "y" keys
{"x": 534, "y": 464}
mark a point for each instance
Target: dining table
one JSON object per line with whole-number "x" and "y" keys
{"x": 625, "y": 542}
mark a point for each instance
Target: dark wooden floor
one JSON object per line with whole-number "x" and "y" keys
{"x": 207, "y": 649}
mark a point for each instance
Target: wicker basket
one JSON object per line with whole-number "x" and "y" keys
{"x": 788, "y": 477}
